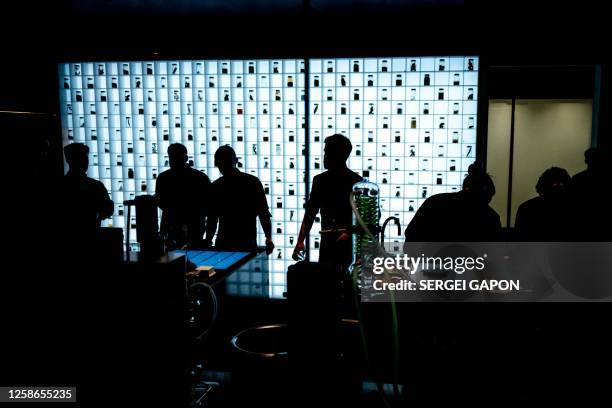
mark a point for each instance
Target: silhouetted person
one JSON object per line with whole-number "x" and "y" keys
{"x": 182, "y": 193}
{"x": 544, "y": 218}
{"x": 237, "y": 200}
{"x": 461, "y": 216}
{"x": 590, "y": 180}
{"x": 85, "y": 201}
{"x": 331, "y": 195}
{"x": 590, "y": 196}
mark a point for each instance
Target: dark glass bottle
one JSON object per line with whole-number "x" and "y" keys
{"x": 470, "y": 94}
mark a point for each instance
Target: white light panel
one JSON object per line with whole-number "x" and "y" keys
{"x": 412, "y": 123}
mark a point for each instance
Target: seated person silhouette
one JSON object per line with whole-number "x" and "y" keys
{"x": 462, "y": 216}
{"x": 544, "y": 218}
{"x": 237, "y": 200}
{"x": 330, "y": 194}
{"x": 85, "y": 201}
{"x": 590, "y": 197}
{"x": 182, "y": 193}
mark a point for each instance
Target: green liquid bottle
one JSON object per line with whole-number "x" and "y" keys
{"x": 366, "y": 196}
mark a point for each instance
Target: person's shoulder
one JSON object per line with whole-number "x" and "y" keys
{"x": 581, "y": 177}
{"x": 489, "y": 216}
{"x": 354, "y": 176}
{"x": 163, "y": 175}
{"x": 441, "y": 197}
{"x": 95, "y": 183}
{"x": 492, "y": 213}
{"x": 199, "y": 174}
{"x": 320, "y": 177}
{"x": 218, "y": 181}
{"x": 580, "y": 174}
{"x": 435, "y": 201}
{"x": 530, "y": 204}
{"x": 250, "y": 178}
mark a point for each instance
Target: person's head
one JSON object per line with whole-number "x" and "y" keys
{"x": 479, "y": 184}
{"x": 77, "y": 157}
{"x": 177, "y": 155}
{"x": 593, "y": 158}
{"x": 337, "y": 150}
{"x": 552, "y": 182}
{"x": 225, "y": 159}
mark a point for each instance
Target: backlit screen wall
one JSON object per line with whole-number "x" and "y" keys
{"x": 412, "y": 123}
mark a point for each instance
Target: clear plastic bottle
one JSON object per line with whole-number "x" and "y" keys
{"x": 366, "y": 198}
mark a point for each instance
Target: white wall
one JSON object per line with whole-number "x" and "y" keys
{"x": 498, "y": 152}
{"x": 547, "y": 133}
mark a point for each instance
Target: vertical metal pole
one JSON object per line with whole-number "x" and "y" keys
{"x": 596, "y": 107}
{"x": 307, "y": 141}
{"x": 511, "y": 164}
{"x": 128, "y": 226}
{"x": 483, "y": 113}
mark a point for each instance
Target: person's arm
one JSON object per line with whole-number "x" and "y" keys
{"x": 211, "y": 227}
{"x": 307, "y": 222}
{"x": 520, "y": 223}
{"x": 266, "y": 225}
{"x": 106, "y": 205}
{"x": 162, "y": 200}
{"x": 212, "y": 217}
{"x": 204, "y": 206}
{"x": 497, "y": 228}
{"x": 312, "y": 208}
{"x": 263, "y": 212}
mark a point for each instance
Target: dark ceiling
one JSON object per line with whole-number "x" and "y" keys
{"x": 506, "y": 31}
{"x": 237, "y": 7}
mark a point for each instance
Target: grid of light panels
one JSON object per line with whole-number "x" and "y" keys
{"x": 411, "y": 120}
{"x": 412, "y": 123}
